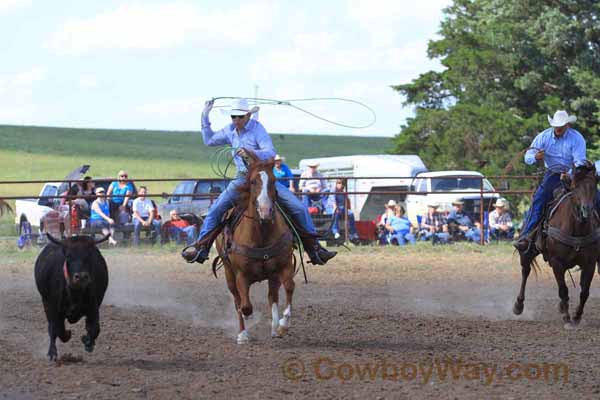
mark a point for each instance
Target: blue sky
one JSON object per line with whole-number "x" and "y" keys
{"x": 151, "y": 64}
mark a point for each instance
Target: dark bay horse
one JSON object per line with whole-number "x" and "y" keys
{"x": 260, "y": 247}
{"x": 572, "y": 238}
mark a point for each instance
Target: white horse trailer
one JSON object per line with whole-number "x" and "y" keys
{"x": 369, "y": 206}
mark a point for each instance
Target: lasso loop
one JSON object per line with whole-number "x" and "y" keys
{"x": 289, "y": 103}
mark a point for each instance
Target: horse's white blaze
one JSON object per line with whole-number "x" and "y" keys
{"x": 264, "y": 202}
{"x": 275, "y": 319}
{"x": 287, "y": 317}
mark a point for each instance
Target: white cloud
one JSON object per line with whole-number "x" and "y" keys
{"x": 16, "y": 95}
{"x": 88, "y": 82}
{"x": 172, "y": 107}
{"x": 157, "y": 26}
{"x": 7, "y": 6}
{"x": 21, "y": 84}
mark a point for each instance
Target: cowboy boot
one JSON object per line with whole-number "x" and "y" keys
{"x": 317, "y": 254}
{"x": 522, "y": 245}
{"x": 196, "y": 253}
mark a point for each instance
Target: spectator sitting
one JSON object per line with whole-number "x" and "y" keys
{"x": 382, "y": 233}
{"x": 435, "y": 226}
{"x": 100, "y": 215}
{"x": 88, "y": 189}
{"x": 399, "y": 228}
{"x": 143, "y": 215}
{"x": 461, "y": 223}
{"x": 500, "y": 222}
{"x": 178, "y": 227}
{"x": 314, "y": 185}
{"x": 341, "y": 204}
{"x": 282, "y": 172}
{"x": 119, "y": 193}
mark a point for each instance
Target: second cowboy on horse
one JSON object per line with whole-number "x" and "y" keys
{"x": 245, "y": 133}
{"x": 561, "y": 148}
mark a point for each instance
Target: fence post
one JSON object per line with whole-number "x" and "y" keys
{"x": 481, "y": 228}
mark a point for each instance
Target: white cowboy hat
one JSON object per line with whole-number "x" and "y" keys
{"x": 500, "y": 203}
{"x": 312, "y": 164}
{"x": 240, "y": 107}
{"x": 391, "y": 203}
{"x": 561, "y": 118}
{"x": 458, "y": 203}
{"x": 433, "y": 205}
{"x": 278, "y": 158}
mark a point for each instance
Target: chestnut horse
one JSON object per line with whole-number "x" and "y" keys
{"x": 260, "y": 247}
{"x": 572, "y": 238}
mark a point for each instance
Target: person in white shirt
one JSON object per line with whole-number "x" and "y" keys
{"x": 314, "y": 185}
{"x": 143, "y": 215}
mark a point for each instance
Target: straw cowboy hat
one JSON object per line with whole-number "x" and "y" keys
{"x": 391, "y": 203}
{"x": 240, "y": 107}
{"x": 500, "y": 203}
{"x": 458, "y": 203}
{"x": 561, "y": 118}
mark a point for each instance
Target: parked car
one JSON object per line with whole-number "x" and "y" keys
{"x": 193, "y": 197}
{"x": 439, "y": 187}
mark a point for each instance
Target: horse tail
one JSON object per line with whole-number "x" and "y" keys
{"x": 535, "y": 267}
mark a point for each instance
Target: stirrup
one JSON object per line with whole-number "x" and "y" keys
{"x": 193, "y": 260}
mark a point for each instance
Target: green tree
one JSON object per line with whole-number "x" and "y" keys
{"x": 507, "y": 64}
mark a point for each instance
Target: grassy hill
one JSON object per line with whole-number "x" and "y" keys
{"x": 41, "y": 153}
{"x": 50, "y": 153}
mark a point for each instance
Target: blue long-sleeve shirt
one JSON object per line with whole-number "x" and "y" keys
{"x": 253, "y": 137}
{"x": 559, "y": 153}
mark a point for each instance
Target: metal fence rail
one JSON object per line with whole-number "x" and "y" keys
{"x": 211, "y": 196}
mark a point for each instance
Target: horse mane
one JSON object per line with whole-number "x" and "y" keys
{"x": 255, "y": 164}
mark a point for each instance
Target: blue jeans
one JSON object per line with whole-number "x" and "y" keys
{"x": 189, "y": 232}
{"x": 441, "y": 237}
{"x": 287, "y": 200}
{"x": 309, "y": 199}
{"x": 137, "y": 228}
{"x": 338, "y": 216}
{"x": 473, "y": 234}
{"x": 498, "y": 234}
{"x": 543, "y": 194}
{"x": 401, "y": 238}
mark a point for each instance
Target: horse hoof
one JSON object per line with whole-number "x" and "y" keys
{"x": 569, "y": 326}
{"x": 282, "y": 330}
{"x": 275, "y": 334}
{"x": 243, "y": 338}
{"x": 518, "y": 308}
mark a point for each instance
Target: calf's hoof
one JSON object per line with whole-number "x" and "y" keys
{"x": 52, "y": 354}
{"x": 87, "y": 343}
{"x": 66, "y": 337}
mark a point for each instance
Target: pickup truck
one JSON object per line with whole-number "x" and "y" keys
{"x": 47, "y": 214}
{"x": 438, "y": 187}
{"x": 192, "y": 197}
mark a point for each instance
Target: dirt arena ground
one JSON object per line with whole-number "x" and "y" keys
{"x": 377, "y": 323}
